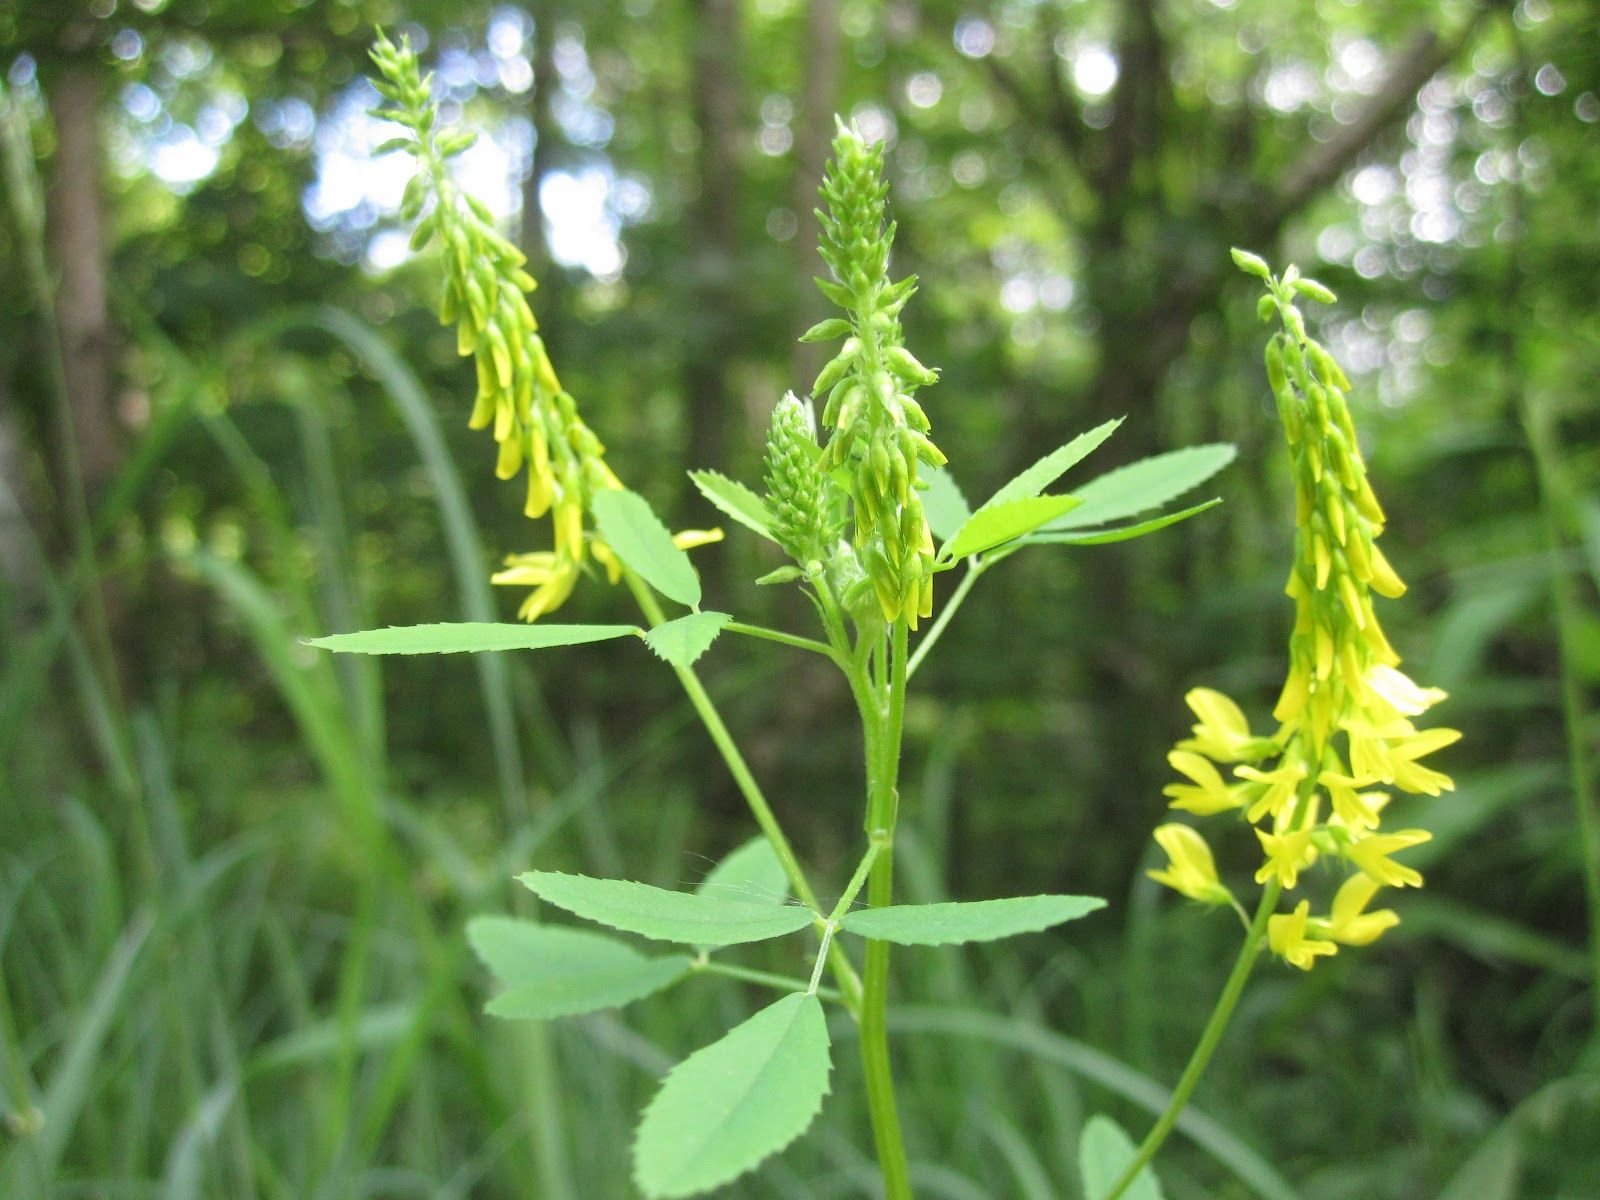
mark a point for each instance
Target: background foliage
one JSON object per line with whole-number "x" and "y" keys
{"x": 235, "y": 874}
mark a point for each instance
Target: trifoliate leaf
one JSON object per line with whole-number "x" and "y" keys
{"x": 464, "y": 637}
{"x": 942, "y": 502}
{"x": 668, "y": 916}
{"x": 973, "y": 921}
{"x": 551, "y": 972}
{"x": 1054, "y": 465}
{"x": 1104, "y": 1152}
{"x": 735, "y": 500}
{"x": 682, "y": 641}
{"x": 637, "y": 536}
{"x": 752, "y": 872}
{"x": 1146, "y": 484}
{"x": 728, "y": 1106}
{"x": 990, "y": 526}
{"x": 1122, "y": 533}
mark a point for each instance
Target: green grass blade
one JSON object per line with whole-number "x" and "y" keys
{"x": 74, "y": 1080}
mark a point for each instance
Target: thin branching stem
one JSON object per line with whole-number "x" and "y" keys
{"x": 844, "y": 972}
{"x": 783, "y": 639}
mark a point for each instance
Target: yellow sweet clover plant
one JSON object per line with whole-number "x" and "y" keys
{"x": 857, "y": 500}
{"x": 1315, "y": 791}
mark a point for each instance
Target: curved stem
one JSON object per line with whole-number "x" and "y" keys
{"x": 887, "y": 717}
{"x": 843, "y": 971}
{"x": 1210, "y": 1037}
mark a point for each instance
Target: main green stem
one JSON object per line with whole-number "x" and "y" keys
{"x": 885, "y": 722}
{"x": 1210, "y": 1037}
{"x": 843, "y": 972}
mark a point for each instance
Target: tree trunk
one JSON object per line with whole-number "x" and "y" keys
{"x": 77, "y": 236}
{"x": 534, "y": 236}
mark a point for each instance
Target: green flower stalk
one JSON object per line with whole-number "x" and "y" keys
{"x": 879, "y": 431}
{"x": 534, "y": 419}
{"x": 1311, "y": 790}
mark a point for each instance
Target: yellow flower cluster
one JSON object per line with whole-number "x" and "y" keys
{"x": 535, "y": 421}
{"x": 1314, "y": 789}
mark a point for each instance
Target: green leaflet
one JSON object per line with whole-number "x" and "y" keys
{"x": 1054, "y": 465}
{"x": 751, "y": 872}
{"x": 943, "y": 504}
{"x": 1103, "y": 1152}
{"x": 637, "y": 536}
{"x": 733, "y": 499}
{"x": 474, "y": 637}
{"x": 1122, "y": 533}
{"x": 975, "y": 921}
{"x": 1146, "y": 484}
{"x": 668, "y": 916}
{"x": 682, "y": 641}
{"x": 990, "y": 526}
{"x": 735, "y": 1102}
{"x": 554, "y": 972}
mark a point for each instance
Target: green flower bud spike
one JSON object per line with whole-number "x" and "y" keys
{"x": 879, "y": 432}
{"x": 798, "y": 491}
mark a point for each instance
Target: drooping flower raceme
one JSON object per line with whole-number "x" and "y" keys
{"x": 1316, "y": 789}
{"x": 534, "y": 419}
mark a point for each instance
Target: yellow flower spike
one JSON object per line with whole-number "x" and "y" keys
{"x": 1286, "y": 935}
{"x": 1207, "y": 793}
{"x": 1371, "y": 855}
{"x": 1191, "y": 870}
{"x": 1287, "y": 855}
{"x": 1349, "y": 923}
